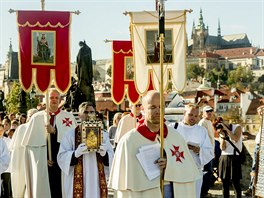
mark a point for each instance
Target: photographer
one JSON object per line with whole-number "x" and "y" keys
{"x": 229, "y": 163}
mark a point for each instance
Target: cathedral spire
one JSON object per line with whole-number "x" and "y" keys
{"x": 193, "y": 27}
{"x": 218, "y": 29}
{"x": 201, "y": 23}
{"x": 10, "y": 46}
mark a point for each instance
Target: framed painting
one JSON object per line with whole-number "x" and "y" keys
{"x": 43, "y": 47}
{"x": 153, "y": 47}
{"x": 91, "y": 136}
{"x": 129, "y": 68}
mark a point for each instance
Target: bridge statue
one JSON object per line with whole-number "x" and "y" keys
{"x": 81, "y": 90}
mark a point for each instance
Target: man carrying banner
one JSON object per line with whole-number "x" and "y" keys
{"x": 180, "y": 171}
{"x": 43, "y": 176}
{"x": 84, "y": 174}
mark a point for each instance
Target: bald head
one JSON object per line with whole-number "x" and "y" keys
{"x": 149, "y": 96}
{"x": 151, "y": 106}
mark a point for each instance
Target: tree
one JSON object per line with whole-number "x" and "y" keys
{"x": 217, "y": 73}
{"x": 261, "y": 78}
{"x": 194, "y": 71}
{"x": 240, "y": 77}
{"x": 12, "y": 99}
{"x": 109, "y": 71}
{"x": 96, "y": 75}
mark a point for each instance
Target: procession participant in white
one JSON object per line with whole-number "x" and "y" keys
{"x": 4, "y": 154}
{"x": 83, "y": 170}
{"x": 43, "y": 177}
{"x": 128, "y": 177}
{"x": 208, "y": 168}
{"x": 17, "y": 163}
{"x": 197, "y": 139}
{"x": 128, "y": 121}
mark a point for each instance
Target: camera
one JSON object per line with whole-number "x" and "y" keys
{"x": 219, "y": 126}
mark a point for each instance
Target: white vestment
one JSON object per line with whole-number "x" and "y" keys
{"x": 17, "y": 163}
{"x": 125, "y": 124}
{"x": 128, "y": 178}
{"x": 4, "y": 158}
{"x": 91, "y": 187}
{"x": 35, "y": 142}
{"x": 197, "y": 135}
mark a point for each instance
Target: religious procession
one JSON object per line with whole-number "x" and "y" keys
{"x": 64, "y": 147}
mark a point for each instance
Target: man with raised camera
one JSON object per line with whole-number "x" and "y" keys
{"x": 229, "y": 163}
{"x": 83, "y": 169}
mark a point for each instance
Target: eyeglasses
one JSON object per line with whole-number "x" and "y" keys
{"x": 209, "y": 111}
{"x": 88, "y": 112}
{"x": 138, "y": 105}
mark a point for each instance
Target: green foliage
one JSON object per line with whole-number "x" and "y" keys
{"x": 194, "y": 71}
{"x": 96, "y": 75}
{"x": 261, "y": 79}
{"x": 109, "y": 71}
{"x": 217, "y": 73}
{"x": 12, "y": 99}
{"x": 240, "y": 77}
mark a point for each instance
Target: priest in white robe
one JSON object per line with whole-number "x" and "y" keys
{"x": 128, "y": 177}
{"x": 128, "y": 122}
{"x": 4, "y": 156}
{"x": 17, "y": 164}
{"x": 77, "y": 162}
{"x": 43, "y": 176}
{"x": 197, "y": 139}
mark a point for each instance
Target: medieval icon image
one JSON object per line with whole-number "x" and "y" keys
{"x": 129, "y": 68}
{"x": 43, "y": 47}
{"x": 153, "y": 47}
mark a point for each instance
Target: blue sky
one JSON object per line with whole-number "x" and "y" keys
{"x": 104, "y": 19}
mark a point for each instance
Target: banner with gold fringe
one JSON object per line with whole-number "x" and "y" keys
{"x": 44, "y": 49}
{"x": 145, "y": 39}
{"x": 123, "y": 73}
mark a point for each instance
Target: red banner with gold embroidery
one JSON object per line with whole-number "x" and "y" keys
{"x": 123, "y": 73}
{"x": 44, "y": 44}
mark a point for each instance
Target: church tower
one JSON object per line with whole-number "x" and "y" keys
{"x": 219, "y": 37}
{"x": 199, "y": 35}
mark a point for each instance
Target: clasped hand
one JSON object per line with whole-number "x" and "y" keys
{"x": 81, "y": 149}
{"x": 195, "y": 149}
{"x": 102, "y": 150}
{"x": 50, "y": 129}
{"x": 162, "y": 162}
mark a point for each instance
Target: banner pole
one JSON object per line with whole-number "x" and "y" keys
{"x": 161, "y": 112}
{"x": 42, "y": 5}
{"x": 255, "y": 180}
{"x": 48, "y": 122}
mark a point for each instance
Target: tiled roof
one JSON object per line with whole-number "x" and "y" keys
{"x": 260, "y": 52}
{"x": 245, "y": 52}
{"x": 255, "y": 103}
{"x": 208, "y": 55}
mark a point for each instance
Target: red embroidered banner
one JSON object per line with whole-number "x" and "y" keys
{"x": 123, "y": 73}
{"x": 44, "y": 42}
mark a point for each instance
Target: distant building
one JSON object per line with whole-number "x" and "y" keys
{"x": 9, "y": 71}
{"x": 202, "y": 41}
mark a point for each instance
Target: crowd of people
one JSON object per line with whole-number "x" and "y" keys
{"x": 43, "y": 153}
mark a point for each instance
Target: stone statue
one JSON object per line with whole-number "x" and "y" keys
{"x": 84, "y": 71}
{"x": 22, "y": 104}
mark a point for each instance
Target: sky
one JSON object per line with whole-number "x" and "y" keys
{"x": 104, "y": 19}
